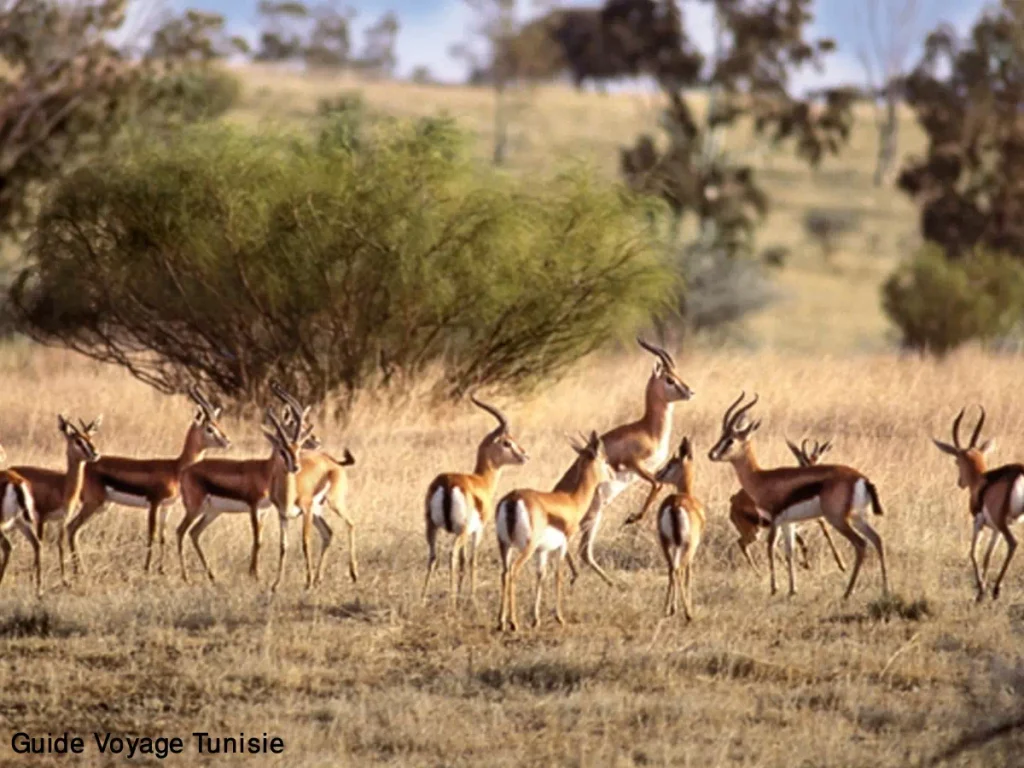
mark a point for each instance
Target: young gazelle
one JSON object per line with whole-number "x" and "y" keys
{"x": 321, "y": 481}
{"x": 543, "y": 522}
{"x": 463, "y": 504}
{"x": 636, "y": 450}
{"x": 680, "y": 528}
{"x": 996, "y": 497}
{"x": 57, "y": 494}
{"x": 213, "y": 486}
{"x": 150, "y": 484}
{"x": 749, "y": 522}
{"x": 17, "y": 513}
{"x": 788, "y": 495}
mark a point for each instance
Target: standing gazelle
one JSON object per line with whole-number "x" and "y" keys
{"x": 17, "y": 513}
{"x": 788, "y": 495}
{"x": 213, "y": 486}
{"x": 463, "y": 504}
{"x": 57, "y": 494}
{"x": 321, "y": 482}
{"x": 636, "y": 450}
{"x": 996, "y": 497}
{"x": 542, "y": 522}
{"x": 150, "y": 484}
{"x": 680, "y": 528}
{"x": 749, "y": 522}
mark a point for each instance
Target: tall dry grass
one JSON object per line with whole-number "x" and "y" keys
{"x": 364, "y": 674}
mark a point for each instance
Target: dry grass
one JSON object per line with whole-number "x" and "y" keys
{"x": 364, "y": 674}
{"x": 828, "y": 306}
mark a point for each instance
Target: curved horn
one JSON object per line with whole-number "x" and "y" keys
{"x": 727, "y": 418}
{"x": 272, "y": 418}
{"x": 956, "y": 429}
{"x": 201, "y": 400}
{"x": 977, "y": 430}
{"x": 666, "y": 358}
{"x": 502, "y": 421}
{"x": 286, "y": 398}
{"x": 743, "y": 411}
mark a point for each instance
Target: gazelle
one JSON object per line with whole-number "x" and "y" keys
{"x": 462, "y": 504}
{"x": 996, "y": 497}
{"x": 321, "y": 482}
{"x": 213, "y": 486}
{"x": 680, "y": 528}
{"x": 636, "y": 450}
{"x": 17, "y": 513}
{"x": 749, "y": 522}
{"x": 839, "y": 494}
{"x": 151, "y": 484}
{"x": 56, "y": 494}
{"x": 543, "y": 522}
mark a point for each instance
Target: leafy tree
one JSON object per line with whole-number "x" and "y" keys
{"x": 320, "y": 260}
{"x": 967, "y": 95}
{"x": 66, "y": 89}
{"x": 378, "y": 53}
{"x": 283, "y": 37}
{"x": 330, "y": 42}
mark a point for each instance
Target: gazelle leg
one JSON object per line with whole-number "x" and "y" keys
{"x": 589, "y": 535}
{"x": 474, "y": 549}
{"x": 505, "y": 553}
{"x": 788, "y": 535}
{"x": 666, "y": 550}
{"x": 30, "y": 535}
{"x": 859, "y": 545}
{"x": 458, "y": 558}
{"x": 805, "y": 562}
{"x": 831, "y": 545}
{"x": 282, "y": 550}
{"x": 326, "y": 534}
{"x": 559, "y": 577}
{"x": 85, "y": 513}
{"x": 1011, "y": 547}
{"x": 195, "y": 532}
{"x": 431, "y": 555}
{"x": 979, "y": 578}
{"x": 151, "y": 525}
{"x": 162, "y": 519}
{"x": 988, "y": 553}
{"x": 256, "y": 521}
{"x": 744, "y": 543}
{"x": 869, "y": 533}
{"x": 772, "y": 533}
{"x": 513, "y": 573}
{"x": 62, "y": 538}
{"x": 573, "y": 570}
{"x": 688, "y": 586}
{"x": 307, "y": 544}
{"x": 5, "y": 554}
{"x": 542, "y": 566}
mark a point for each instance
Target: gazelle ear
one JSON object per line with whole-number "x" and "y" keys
{"x": 795, "y": 451}
{"x": 987, "y": 446}
{"x": 947, "y": 448}
{"x": 217, "y": 412}
{"x": 200, "y": 416}
{"x": 95, "y": 424}
{"x": 64, "y": 425}
{"x": 659, "y": 368}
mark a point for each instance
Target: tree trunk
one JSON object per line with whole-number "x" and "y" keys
{"x": 888, "y": 134}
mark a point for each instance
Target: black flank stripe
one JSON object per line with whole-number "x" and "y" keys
{"x": 801, "y": 494}
{"x": 19, "y": 492}
{"x": 446, "y": 507}
{"x": 1005, "y": 473}
{"x": 123, "y": 486}
{"x": 510, "y": 506}
{"x": 677, "y": 528}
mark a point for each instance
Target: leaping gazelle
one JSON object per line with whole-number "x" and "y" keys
{"x": 839, "y": 494}
{"x": 636, "y": 450}
{"x": 749, "y": 522}
{"x": 462, "y": 504}
{"x": 150, "y": 484}
{"x": 542, "y": 523}
{"x": 996, "y": 497}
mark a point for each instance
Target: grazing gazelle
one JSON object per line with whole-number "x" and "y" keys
{"x": 17, "y": 513}
{"x": 839, "y": 494}
{"x": 322, "y": 481}
{"x": 749, "y": 522}
{"x": 636, "y": 450}
{"x": 543, "y": 522}
{"x": 463, "y": 504}
{"x": 213, "y": 486}
{"x": 996, "y": 497}
{"x": 680, "y": 528}
{"x": 57, "y": 494}
{"x": 150, "y": 484}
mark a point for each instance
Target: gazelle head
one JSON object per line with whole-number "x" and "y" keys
{"x": 809, "y": 452}
{"x": 293, "y": 413}
{"x": 664, "y": 375}
{"x": 736, "y": 431}
{"x": 286, "y": 443}
{"x": 970, "y": 459}
{"x": 500, "y": 448}
{"x": 79, "y": 439}
{"x": 205, "y": 423}
{"x": 591, "y": 457}
{"x": 679, "y": 470}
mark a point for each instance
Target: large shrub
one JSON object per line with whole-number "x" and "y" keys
{"x": 321, "y": 261}
{"x": 938, "y": 303}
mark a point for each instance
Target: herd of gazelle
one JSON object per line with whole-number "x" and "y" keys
{"x": 299, "y": 479}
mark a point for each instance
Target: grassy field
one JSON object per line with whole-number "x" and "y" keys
{"x": 826, "y": 305}
{"x": 365, "y": 674}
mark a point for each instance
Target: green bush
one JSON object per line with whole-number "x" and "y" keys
{"x": 190, "y": 94}
{"x": 310, "y": 258}
{"x": 939, "y": 304}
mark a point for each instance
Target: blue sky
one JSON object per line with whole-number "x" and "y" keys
{"x": 429, "y": 27}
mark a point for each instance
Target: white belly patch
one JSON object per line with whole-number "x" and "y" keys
{"x": 126, "y": 499}
{"x": 224, "y": 504}
{"x": 805, "y": 510}
{"x": 551, "y": 539}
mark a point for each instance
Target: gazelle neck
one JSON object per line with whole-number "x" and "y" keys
{"x": 74, "y": 479}
{"x": 586, "y": 487}
{"x": 193, "y": 450}
{"x": 657, "y": 409}
{"x": 747, "y": 469}
{"x": 685, "y": 484}
{"x": 485, "y": 468}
